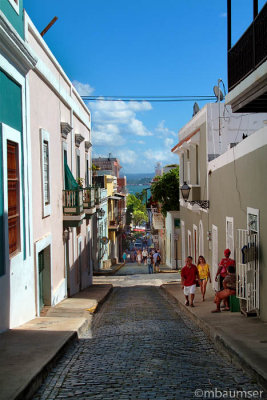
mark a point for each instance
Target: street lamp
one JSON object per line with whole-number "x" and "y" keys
{"x": 185, "y": 189}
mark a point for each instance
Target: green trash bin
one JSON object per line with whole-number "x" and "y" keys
{"x": 234, "y": 304}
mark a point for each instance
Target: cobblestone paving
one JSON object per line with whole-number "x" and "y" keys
{"x": 142, "y": 348}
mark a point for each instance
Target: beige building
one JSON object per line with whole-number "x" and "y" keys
{"x": 223, "y": 164}
{"x": 60, "y": 125}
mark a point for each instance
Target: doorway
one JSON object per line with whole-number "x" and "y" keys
{"x": 44, "y": 278}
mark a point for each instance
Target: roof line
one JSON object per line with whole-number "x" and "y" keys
{"x": 185, "y": 140}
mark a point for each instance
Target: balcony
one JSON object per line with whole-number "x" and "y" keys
{"x": 89, "y": 201}
{"x": 73, "y": 212}
{"x": 97, "y": 196}
{"x": 244, "y": 58}
{"x": 113, "y": 224}
{"x": 194, "y": 202}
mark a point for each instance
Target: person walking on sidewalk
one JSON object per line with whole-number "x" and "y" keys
{"x": 150, "y": 263}
{"x": 144, "y": 256}
{"x": 204, "y": 275}
{"x": 229, "y": 285}
{"x": 124, "y": 256}
{"x": 156, "y": 259}
{"x": 139, "y": 257}
{"x": 189, "y": 277}
{"x": 223, "y": 265}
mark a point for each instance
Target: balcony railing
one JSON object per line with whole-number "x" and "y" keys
{"x": 73, "y": 202}
{"x": 249, "y": 52}
{"x": 88, "y": 197}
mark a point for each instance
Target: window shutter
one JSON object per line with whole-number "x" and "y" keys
{"x": 46, "y": 172}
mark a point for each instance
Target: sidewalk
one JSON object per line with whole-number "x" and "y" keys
{"x": 27, "y": 352}
{"x": 109, "y": 271}
{"x": 243, "y": 340}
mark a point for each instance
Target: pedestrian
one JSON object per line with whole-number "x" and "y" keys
{"x": 139, "y": 257}
{"x": 204, "y": 275}
{"x": 229, "y": 289}
{"x": 124, "y": 256}
{"x": 223, "y": 265}
{"x": 150, "y": 263}
{"x": 144, "y": 256}
{"x": 155, "y": 258}
{"x": 189, "y": 277}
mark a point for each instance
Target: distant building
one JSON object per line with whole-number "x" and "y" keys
{"x": 158, "y": 169}
{"x": 168, "y": 168}
{"x": 107, "y": 166}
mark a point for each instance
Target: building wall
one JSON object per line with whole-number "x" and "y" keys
{"x": 14, "y": 14}
{"x": 53, "y": 100}
{"x": 16, "y": 270}
{"x": 237, "y": 183}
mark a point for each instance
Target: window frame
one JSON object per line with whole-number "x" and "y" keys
{"x": 78, "y": 154}
{"x": 230, "y": 239}
{"x": 11, "y": 135}
{"x": 45, "y": 137}
{"x": 15, "y": 5}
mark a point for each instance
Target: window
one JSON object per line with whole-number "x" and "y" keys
{"x": 197, "y": 166}
{"x": 195, "y": 242}
{"x": 13, "y": 197}
{"x": 230, "y": 234}
{"x": 189, "y": 243}
{"x": 78, "y": 164}
{"x": 46, "y": 173}
{"x": 188, "y": 172}
{"x": 45, "y": 154}
{"x": 87, "y": 173}
{"x": 182, "y": 169}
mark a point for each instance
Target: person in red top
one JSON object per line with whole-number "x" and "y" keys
{"x": 223, "y": 266}
{"x": 189, "y": 276}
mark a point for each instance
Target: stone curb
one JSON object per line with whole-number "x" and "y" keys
{"x": 31, "y": 388}
{"x": 106, "y": 273}
{"x": 223, "y": 345}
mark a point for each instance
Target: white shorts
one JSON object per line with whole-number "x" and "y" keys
{"x": 189, "y": 290}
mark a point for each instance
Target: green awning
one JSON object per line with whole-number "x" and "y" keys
{"x": 70, "y": 182}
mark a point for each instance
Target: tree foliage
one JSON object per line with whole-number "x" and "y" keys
{"x": 166, "y": 191}
{"x": 136, "y": 210}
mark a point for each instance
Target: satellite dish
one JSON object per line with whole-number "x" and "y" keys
{"x": 218, "y": 93}
{"x": 195, "y": 109}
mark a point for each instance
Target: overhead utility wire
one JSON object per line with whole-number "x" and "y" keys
{"x": 151, "y": 101}
{"x": 149, "y": 98}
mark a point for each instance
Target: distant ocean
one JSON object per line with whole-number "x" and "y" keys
{"x": 138, "y": 182}
{"x": 133, "y": 189}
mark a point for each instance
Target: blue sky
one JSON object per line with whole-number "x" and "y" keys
{"x": 140, "y": 48}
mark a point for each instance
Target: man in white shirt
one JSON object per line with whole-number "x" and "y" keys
{"x": 144, "y": 256}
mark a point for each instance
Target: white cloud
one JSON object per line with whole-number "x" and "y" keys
{"x": 112, "y": 122}
{"x": 84, "y": 89}
{"x": 162, "y": 129}
{"x": 160, "y": 155}
{"x": 107, "y": 134}
{"x": 169, "y": 142}
{"x": 127, "y": 157}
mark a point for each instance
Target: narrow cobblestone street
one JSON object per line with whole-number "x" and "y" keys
{"x": 142, "y": 348}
